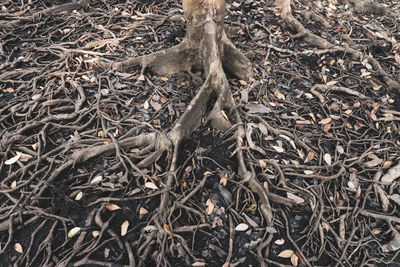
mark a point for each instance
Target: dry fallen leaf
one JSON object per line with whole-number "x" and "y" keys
{"x": 112, "y": 207}
{"x": 376, "y": 231}
{"x": 96, "y": 179}
{"x": 295, "y": 260}
{"x": 79, "y": 196}
{"x": 328, "y": 159}
{"x": 279, "y": 149}
{"x": 325, "y": 121}
{"x": 280, "y": 241}
{"x": 387, "y": 164}
{"x": 241, "y": 227}
{"x": 95, "y": 233}
{"x": 124, "y": 228}
{"x": 74, "y": 231}
{"x": 391, "y": 175}
{"x": 150, "y": 185}
{"x": 397, "y": 58}
{"x": 309, "y": 157}
{"x": 286, "y": 253}
{"x": 210, "y": 206}
{"x": 18, "y": 248}
{"x": 167, "y": 229}
{"x": 143, "y": 211}
{"x": 13, "y": 159}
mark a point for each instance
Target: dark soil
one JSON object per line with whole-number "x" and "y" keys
{"x": 347, "y": 221}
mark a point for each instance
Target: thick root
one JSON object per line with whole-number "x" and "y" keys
{"x": 166, "y": 62}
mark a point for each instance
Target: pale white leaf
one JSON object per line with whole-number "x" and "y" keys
{"x": 199, "y": 264}
{"x": 328, "y": 158}
{"x": 18, "y": 248}
{"x": 96, "y": 179}
{"x": 241, "y": 227}
{"x": 278, "y": 149}
{"x": 146, "y": 105}
{"x": 150, "y": 228}
{"x": 150, "y": 185}
{"x": 79, "y": 196}
{"x": 13, "y": 159}
{"x": 74, "y": 231}
{"x": 279, "y": 242}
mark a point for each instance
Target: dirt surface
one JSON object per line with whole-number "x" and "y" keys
{"x": 321, "y": 117}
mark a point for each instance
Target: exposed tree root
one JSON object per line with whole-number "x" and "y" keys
{"x": 314, "y": 40}
{"x": 206, "y": 46}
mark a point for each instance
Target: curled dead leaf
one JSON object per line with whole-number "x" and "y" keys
{"x": 95, "y": 233}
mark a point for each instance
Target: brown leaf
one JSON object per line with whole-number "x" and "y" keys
{"x": 164, "y": 99}
{"x": 382, "y": 197}
{"x": 124, "y": 228}
{"x": 387, "y": 164}
{"x": 397, "y": 58}
{"x": 143, "y": 211}
{"x": 286, "y": 253}
{"x": 8, "y": 90}
{"x": 310, "y": 156}
{"x": 167, "y": 229}
{"x": 210, "y": 206}
{"x": 295, "y": 260}
{"x": 325, "y": 121}
{"x": 112, "y": 207}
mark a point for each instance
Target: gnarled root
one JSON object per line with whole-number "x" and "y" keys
{"x": 205, "y": 45}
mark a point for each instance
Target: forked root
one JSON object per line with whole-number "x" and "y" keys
{"x": 314, "y": 40}
{"x": 206, "y": 46}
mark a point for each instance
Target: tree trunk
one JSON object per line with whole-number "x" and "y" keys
{"x": 205, "y": 46}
